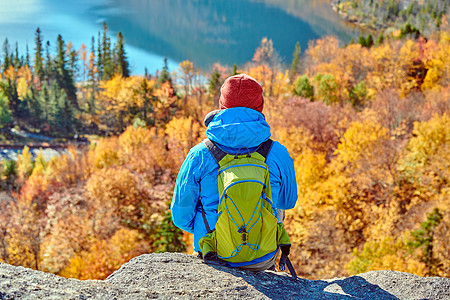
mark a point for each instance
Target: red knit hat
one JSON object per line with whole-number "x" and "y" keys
{"x": 241, "y": 91}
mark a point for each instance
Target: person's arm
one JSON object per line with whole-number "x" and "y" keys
{"x": 187, "y": 192}
{"x": 288, "y": 188}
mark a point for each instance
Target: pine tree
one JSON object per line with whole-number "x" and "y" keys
{"x": 6, "y": 57}
{"x": 122, "y": 62}
{"x": 108, "y": 63}
{"x": 27, "y": 56}
{"x": 63, "y": 76}
{"x": 235, "y": 72}
{"x": 295, "y": 62}
{"x": 73, "y": 64}
{"x": 146, "y": 114}
{"x": 99, "y": 58}
{"x": 38, "y": 59}
{"x": 214, "y": 85}
{"x": 92, "y": 78}
{"x": 49, "y": 71}
{"x": 16, "y": 60}
{"x": 165, "y": 75}
{"x": 425, "y": 237}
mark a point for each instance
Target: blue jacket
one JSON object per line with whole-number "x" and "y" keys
{"x": 196, "y": 185}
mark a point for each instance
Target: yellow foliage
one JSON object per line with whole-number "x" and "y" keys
{"x": 437, "y": 62}
{"x": 106, "y": 256}
{"x": 264, "y": 75}
{"x": 104, "y": 153}
{"x": 428, "y": 138}
{"x": 133, "y": 139}
{"x": 392, "y": 63}
{"x": 117, "y": 94}
{"x": 24, "y": 164}
{"x": 387, "y": 254}
{"x": 359, "y": 141}
{"x": 68, "y": 168}
{"x": 114, "y": 187}
{"x": 183, "y": 133}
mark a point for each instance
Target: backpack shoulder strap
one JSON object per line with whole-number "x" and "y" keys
{"x": 264, "y": 148}
{"x": 215, "y": 151}
{"x": 219, "y": 154}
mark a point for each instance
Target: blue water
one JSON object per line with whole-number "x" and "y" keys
{"x": 203, "y": 31}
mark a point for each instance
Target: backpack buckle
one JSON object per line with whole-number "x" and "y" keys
{"x": 242, "y": 229}
{"x": 244, "y": 239}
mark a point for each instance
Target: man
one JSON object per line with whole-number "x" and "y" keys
{"x": 239, "y": 124}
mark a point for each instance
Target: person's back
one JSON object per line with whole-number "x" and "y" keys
{"x": 239, "y": 125}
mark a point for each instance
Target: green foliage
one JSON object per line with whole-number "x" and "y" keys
{"x": 408, "y": 29}
{"x": 6, "y": 57}
{"x": 303, "y": 88}
{"x": 107, "y": 55}
{"x": 380, "y": 39}
{"x": 214, "y": 83}
{"x": 325, "y": 88}
{"x": 38, "y": 59}
{"x": 366, "y": 42}
{"x": 424, "y": 237}
{"x": 235, "y": 72}
{"x": 169, "y": 238}
{"x": 358, "y": 94}
{"x": 165, "y": 75}
{"x": 295, "y": 62}
{"x": 63, "y": 76}
{"x": 122, "y": 61}
{"x": 5, "y": 112}
{"x": 8, "y": 173}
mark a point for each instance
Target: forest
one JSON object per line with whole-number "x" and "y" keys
{"x": 367, "y": 125}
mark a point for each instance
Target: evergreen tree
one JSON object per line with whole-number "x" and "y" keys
{"x": 9, "y": 89}
{"x": 235, "y": 72}
{"x": 43, "y": 100}
{"x": 303, "y": 88}
{"x": 27, "y": 56}
{"x": 380, "y": 39}
{"x": 6, "y": 57}
{"x": 49, "y": 71}
{"x": 362, "y": 41}
{"x": 99, "y": 58}
{"x": 147, "y": 113}
{"x": 62, "y": 74}
{"x": 16, "y": 60}
{"x": 214, "y": 85}
{"x": 108, "y": 62}
{"x": 5, "y": 112}
{"x": 425, "y": 237}
{"x": 122, "y": 62}
{"x": 295, "y": 62}
{"x": 73, "y": 64}
{"x": 165, "y": 75}
{"x": 63, "y": 113}
{"x": 30, "y": 107}
{"x": 369, "y": 41}
{"x": 91, "y": 78}
{"x": 38, "y": 59}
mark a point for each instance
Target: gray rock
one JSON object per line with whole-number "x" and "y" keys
{"x": 181, "y": 276}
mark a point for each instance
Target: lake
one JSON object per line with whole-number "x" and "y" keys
{"x": 203, "y": 31}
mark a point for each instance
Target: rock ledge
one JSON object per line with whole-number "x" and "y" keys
{"x": 181, "y": 276}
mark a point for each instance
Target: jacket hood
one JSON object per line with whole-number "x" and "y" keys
{"x": 238, "y": 127}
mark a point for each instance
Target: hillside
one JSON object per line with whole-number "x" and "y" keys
{"x": 181, "y": 276}
{"x": 428, "y": 16}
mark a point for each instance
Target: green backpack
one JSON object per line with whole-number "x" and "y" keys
{"x": 247, "y": 232}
